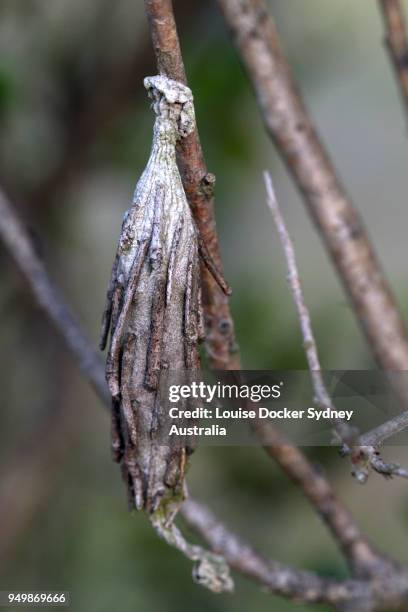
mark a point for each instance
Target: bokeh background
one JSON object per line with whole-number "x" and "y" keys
{"x": 75, "y": 133}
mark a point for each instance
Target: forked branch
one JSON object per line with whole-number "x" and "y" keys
{"x": 363, "y": 449}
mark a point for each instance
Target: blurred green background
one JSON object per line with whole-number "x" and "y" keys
{"x": 75, "y": 132}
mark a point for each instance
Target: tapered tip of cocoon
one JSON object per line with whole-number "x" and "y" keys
{"x": 173, "y": 100}
{"x": 173, "y": 91}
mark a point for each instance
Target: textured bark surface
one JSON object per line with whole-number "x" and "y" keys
{"x": 222, "y": 350}
{"x": 153, "y": 306}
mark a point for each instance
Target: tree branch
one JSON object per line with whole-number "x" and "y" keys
{"x": 16, "y": 239}
{"x": 222, "y": 350}
{"x": 344, "y": 432}
{"x": 279, "y": 579}
{"x": 396, "y": 42}
{"x": 386, "y": 430}
{"x": 361, "y": 556}
{"x": 363, "y": 449}
{"x": 289, "y": 125}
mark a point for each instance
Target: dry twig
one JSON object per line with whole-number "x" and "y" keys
{"x": 289, "y": 125}
{"x": 344, "y": 432}
{"x": 279, "y": 579}
{"x": 363, "y": 449}
{"x": 386, "y": 430}
{"x": 17, "y": 240}
{"x": 396, "y": 41}
{"x": 222, "y": 350}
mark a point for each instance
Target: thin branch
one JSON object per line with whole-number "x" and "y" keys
{"x": 396, "y": 41}
{"x": 363, "y": 449}
{"x": 16, "y": 239}
{"x": 289, "y": 125}
{"x": 344, "y": 432}
{"x": 279, "y": 579}
{"x": 387, "y": 469}
{"x": 222, "y": 350}
{"x": 386, "y": 430}
{"x": 369, "y": 456}
{"x": 355, "y": 546}
{"x": 360, "y": 554}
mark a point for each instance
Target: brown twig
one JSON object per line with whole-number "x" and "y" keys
{"x": 279, "y": 579}
{"x": 365, "y": 458}
{"x": 169, "y": 59}
{"x": 362, "y": 557}
{"x": 15, "y": 237}
{"x": 396, "y": 41}
{"x": 222, "y": 351}
{"x": 288, "y": 123}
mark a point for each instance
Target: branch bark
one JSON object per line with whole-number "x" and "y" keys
{"x": 344, "y": 432}
{"x": 396, "y": 41}
{"x": 16, "y": 239}
{"x": 169, "y": 60}
{"x": 363, "y": 449}
{"x": 280, "y": 579}
{"x": 360, "y": 554}
{"x": 221, "y": 347}
{"x": 289, "y": 125}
